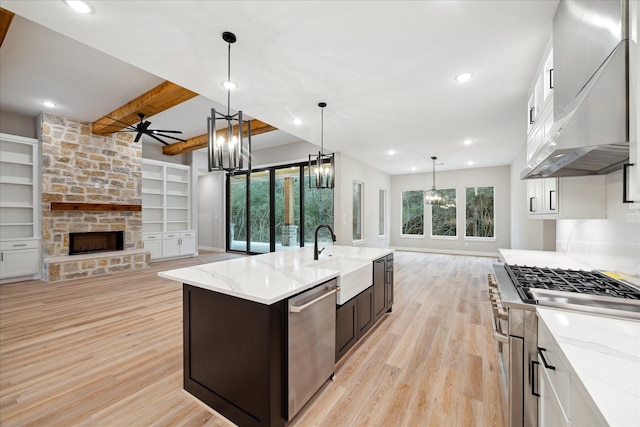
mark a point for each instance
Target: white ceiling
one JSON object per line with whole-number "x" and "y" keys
{"x": 385, "y": 69}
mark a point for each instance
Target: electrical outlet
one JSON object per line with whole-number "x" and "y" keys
{"x": 106, "y": 186}
{"x": 97, "y": 185}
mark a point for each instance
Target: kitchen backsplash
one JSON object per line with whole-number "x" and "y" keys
{"x": 608, "y": 244}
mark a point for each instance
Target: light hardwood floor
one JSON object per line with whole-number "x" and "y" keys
{"x": 107, "y": 351}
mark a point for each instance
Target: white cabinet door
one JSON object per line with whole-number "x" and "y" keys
{"x": 550, "y": 411}
{"x": 170, "y": 245}
{"x": 534, "y": 196}
{"x": 550, "y": 196}
{"x": 188, "y": 243}
{"x": 19, "y": 262}
{"x": 153, "y": 246}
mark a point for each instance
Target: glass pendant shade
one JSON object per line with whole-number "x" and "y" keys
{"x": 228, "y": 149}
{"x": 433, "y": 196}
{"x": 322, "y": 168}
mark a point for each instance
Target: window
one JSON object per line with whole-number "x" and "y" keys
{"x": 382, "y": 207}
{"x": 480, "y": 213}
{"x": 443, "y": 217}
{"x": 358, "y": 198}
{"x": 413, "y": 213}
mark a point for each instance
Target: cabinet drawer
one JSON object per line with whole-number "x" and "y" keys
{"x": 19, "y": 244}
{"x": 559, "y": 377}
{"x": 171, "y": 236}
{"x": 151, "y": 237}
{"x": 186, "y": 234}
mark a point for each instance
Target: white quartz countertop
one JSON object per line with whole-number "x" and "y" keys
{"x": 542, "y": 259}
{"x": 270, "y": 277}
{"x": 604, "y": 353}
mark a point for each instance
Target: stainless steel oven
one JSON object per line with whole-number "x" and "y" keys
{"x": 514, "y": 292}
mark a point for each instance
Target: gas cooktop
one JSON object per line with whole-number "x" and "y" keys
{"x": 577, "y": 281}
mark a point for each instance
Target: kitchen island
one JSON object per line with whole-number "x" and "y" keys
{"x": 235, "y": 327}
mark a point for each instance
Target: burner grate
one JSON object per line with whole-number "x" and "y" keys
{"x": 585, "y": 282}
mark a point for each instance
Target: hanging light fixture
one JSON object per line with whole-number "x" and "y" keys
{"x": 433, "y": 196}
{"x": 228, "y": 149}
{"x": 322, "y": 169}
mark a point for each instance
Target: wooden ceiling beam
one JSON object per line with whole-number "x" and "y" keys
{"x": 160, "y": 98}
{"x": 195, "y": 143}
{"x": 5, "y": 22}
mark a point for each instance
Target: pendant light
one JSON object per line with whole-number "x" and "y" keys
{"x": 227, "y": 148}
{"x": 433, "y": 196}
{"x": 322, "y": 169}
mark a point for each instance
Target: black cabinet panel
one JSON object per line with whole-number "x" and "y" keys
{"x": 233, "y": 356}
{"x": 379, "y": 289}
{"x": 364, "y": 311}
{"x": 346, "y": 327}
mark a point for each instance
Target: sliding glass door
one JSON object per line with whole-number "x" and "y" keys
{"x": 270, "y": 218}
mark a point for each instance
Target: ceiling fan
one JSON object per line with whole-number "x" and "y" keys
{"x": 142, "y": 128}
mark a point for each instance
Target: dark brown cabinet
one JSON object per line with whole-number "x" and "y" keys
{"x": 382, "y": 286}
{"x": 346, "y": 327}
{"x": 359, "y": 314}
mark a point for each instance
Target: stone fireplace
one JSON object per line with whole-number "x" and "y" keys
{"x": 89, "y": 185}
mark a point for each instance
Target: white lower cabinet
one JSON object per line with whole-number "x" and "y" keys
{"x": 170, "y": 245}
{"x": 19, "y": 258}
{"x": 153, "y": 243}
{"x": 563, "y": 399}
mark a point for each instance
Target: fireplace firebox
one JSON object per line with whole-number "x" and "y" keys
{"x": 99, "y": 241}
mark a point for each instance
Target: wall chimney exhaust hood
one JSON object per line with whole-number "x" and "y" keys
{"x": 590, "y": 134}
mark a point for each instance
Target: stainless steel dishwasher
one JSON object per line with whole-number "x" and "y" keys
{"x": 312, "y": 342}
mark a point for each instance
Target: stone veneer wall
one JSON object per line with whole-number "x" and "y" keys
{"x": 78, "y": 166}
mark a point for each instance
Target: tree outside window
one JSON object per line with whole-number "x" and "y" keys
{"x": 480, "y": 213}
{"x": 443, "y": 217}
{"x": 413, "y": 213}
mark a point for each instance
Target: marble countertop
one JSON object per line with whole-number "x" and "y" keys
{"x": 270, "y": 277}
{"x": 542, "y": 259}
{"x": 604, "y": 353}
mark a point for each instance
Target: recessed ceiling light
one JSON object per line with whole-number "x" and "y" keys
{"x": 296, "y": 121}
{"x": 391, "y": 152}
{"x": 229, "y": 85}
{"x": 79, "y": 6}
{"x": 413, "y": 168}
{"x": 469, "y": 163}
{"x": 463, "y": 77}
{"x": 49, "y": 104}
{"x": 468, "y": 142}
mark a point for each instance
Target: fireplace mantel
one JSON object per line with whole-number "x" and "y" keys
{"x": 102, "y": 207}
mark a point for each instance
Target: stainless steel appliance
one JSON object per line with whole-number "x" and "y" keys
{"x": 591, "y": 73}
{"x": 312, "y": 343}
{"x": 514, "y": 292}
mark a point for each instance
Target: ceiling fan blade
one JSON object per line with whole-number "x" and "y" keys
{"x": 156, "y": 138}
{"x": 172, "y": 137}
{"x": 138, "y": 137}
{"x": 164, "y": 131}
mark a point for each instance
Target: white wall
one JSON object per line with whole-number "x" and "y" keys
{"x": 498, "y": 177}
{"x": 527, "y": 233}
{"x": 349, "y": 170}
{"x": 607, "y": 244}
{"x": 211, "y": 208}
{"x": 15, "y": 124}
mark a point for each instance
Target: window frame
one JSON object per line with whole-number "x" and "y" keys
{"x": 382, "y": 213}
{"x": 361, "y": 237}
{"x": 441, "y": 237}
{"x": 495, "y": 224}
{"x": 412, "y": 236}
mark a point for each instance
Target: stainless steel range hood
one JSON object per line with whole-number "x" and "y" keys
{"x": 590, "y": 135}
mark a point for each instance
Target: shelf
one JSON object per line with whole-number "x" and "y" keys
{"x": 16, "y": 205}
{"x": 101, "y": 207}
{"x": 9, "y": 224}
{"x": 145, "y": 191}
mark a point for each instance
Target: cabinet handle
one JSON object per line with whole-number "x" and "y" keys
{"x": 551, "y": 78}
{"x": 625, "y": 180}
{"x": 1, "y": 256}
{"x": 20, "y": 245}
{"x": 544, "y": 361}
{"x": 532, "y": 120}
{"x": 551, "y": 197}
{"x": 534, "y": 372}
{"x": 531, "y": 209}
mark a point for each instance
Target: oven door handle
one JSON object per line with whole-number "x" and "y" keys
{"x": 500, "y": 337}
